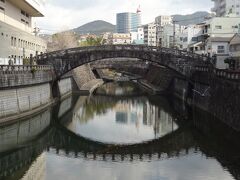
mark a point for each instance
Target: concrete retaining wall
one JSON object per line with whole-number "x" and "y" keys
{"x": 20, "y": 100}
{"x": 65, "y": 86}
{"x": 10, "y": 79}
{"x": 16, "y": 101}
{"x": 219, "y": 97}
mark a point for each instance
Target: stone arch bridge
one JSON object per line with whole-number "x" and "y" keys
{"x": 66, "y": 60}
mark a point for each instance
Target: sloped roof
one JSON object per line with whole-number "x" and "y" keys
{"x": 235, "y": 39}
{"x": 219, "y": 39}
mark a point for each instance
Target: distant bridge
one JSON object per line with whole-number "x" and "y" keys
{"x": 66, "y": 60}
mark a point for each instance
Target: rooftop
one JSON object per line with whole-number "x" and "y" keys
{"x": 32, "y": 7}
{"x": 219, "y": 39}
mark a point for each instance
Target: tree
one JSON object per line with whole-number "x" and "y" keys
{"x": 91, "y": 41}
{"x": 63, "y": 40}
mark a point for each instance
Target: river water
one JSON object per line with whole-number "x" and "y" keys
{"x": 119, "y": 133}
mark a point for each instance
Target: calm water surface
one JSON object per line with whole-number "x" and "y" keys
{"x": 119, "y": 134}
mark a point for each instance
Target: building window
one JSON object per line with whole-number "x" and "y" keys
{"x": 1, "y": 8}
{"x": 221, "y": 50}
{"x": 218, "y": 27}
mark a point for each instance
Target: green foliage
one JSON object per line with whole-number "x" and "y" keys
{"x": 26, "y": 61}
{"x": 91, "y": 41}
{"x": 33, "y": 70}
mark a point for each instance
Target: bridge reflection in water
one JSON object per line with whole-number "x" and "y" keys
{"x": 39, "y": 146}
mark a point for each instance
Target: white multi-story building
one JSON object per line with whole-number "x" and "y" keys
{"x": 120, "y": 38}
{"x": 140, "y": 35}
{"x": 160, "y": 22}
{"x": 226, "y": 7}
{"x": 150, "y": 34}
{"x": 222, "y": 26}
{"x": 18, "y": 37}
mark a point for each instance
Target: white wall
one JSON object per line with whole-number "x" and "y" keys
{"x": 226, "y": 23}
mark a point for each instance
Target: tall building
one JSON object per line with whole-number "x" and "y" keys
{"x": 18, "y": 36}
{"x": 226, "y": 7}
{"x": 150, "y": 34}
{"x": 160, "y": 22}
{"x": 128, "y": 22}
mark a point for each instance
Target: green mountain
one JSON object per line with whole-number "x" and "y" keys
{"x": 194, "y": 18}
{"x": 95, "y": 27}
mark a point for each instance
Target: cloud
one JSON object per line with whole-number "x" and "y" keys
{"x": 62, "y": 14}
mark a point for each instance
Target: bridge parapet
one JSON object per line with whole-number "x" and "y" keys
{"x": 66, "y": 60}
{"x": 221, "y": 73}
{"x": 24, "y": 68}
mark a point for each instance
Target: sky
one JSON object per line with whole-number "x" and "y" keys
{"x": 62, "y": 15}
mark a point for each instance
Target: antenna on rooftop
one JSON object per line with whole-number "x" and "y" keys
{"x": 138, "y": 9}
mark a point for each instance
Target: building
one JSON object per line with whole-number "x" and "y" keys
{"x": 18, "y": 37}
{"x": 218, "y": 46}
{"x": 190, "y": 36}
{"x": 234, "y": 49}
{"x": 128, "y": 22}
{"x": 120, "y": 38}
{"x": 222, "y": 27}
{"x": 169, "y": 40}
{"x": 226, "y": 7}
{"x": 134, "y": 37}
{"x": 140, "y": 36}
{"x": 160, "y": 22}
{"x": 150, "y": 34}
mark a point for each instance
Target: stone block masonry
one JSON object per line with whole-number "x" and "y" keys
{"x": 65, "y": 86}
{"x": 16, "y": 101}
{"x": 24, "y": 75}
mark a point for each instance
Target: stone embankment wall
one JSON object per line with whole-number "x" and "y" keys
{"x": 218, "y": 96}
{"x": 16, "y": 76}
{"x": 14, "y": 101}
{"x": 158, "y": 79}
{"x": 65, "y": 86}
{"x": 85, "y": 79}
{"x": 23, "y": 91}
{"x": 83, "y": 75}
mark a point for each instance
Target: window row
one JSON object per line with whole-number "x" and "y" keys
{"x": 25, "y": 44}
{"x": 24, "y": 13}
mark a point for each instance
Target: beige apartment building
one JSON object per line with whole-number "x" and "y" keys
{"x": 18, "y": 36}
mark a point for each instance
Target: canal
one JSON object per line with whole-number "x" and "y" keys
{"x": 119, "y": 133}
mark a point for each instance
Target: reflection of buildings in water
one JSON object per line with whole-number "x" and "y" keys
{"x": 143, "y": 113}
{"x": 128, "y": 112}
{"x": 161, "y": 121}
{"x": 37, "y": 171}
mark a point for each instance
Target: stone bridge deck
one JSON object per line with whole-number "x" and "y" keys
{"x": 66, "y": 60}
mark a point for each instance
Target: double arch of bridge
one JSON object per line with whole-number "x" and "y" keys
{"x": 66, "y": 60}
